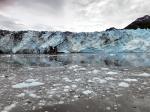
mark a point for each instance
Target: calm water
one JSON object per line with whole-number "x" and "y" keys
{"x": 107, "y": 60}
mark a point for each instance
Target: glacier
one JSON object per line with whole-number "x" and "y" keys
{"x": 47, "y": 42}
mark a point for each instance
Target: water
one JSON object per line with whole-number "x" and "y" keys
{"x": 107, "y": 60}
{"x": 75, "y": 83}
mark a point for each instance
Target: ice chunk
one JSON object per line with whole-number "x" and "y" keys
{"x": 27, "y": 84}
{"x": 130, "y": 80}
{"x": 110, "y": 78}
{"x": 87, "y": 92}
{"x": 67, "y": 79}
{"x": 31, "y": 80}
{"x": 111, "y": 73}
{"x": 95, "y": 71}
{"x": 123, "y": 84}
{"x": 104, "y": 68}
{"x": 144, "y": 75}
{"x": 21, "y": 95}
{"x": 99, "y": 80}
{"x": 9, "y": 108}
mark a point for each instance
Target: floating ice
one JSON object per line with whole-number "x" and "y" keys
{"x": 21, "y": 95}
{"x": 73, "y": 67}
{"x": 67, "y": 79}
{"x": 123, "y": 84}
{"x": 87, "y": 92}
{"x": 99, "y": 80}
{"x": 95, "y": 71}
{"x": 77, "y": 80}
{"x": 31, "y": 80}
{"x": 130, "y": 80}
{"x": 104, "y": 68}
{"x": 9, "y": 108}
{"x": 111, "y": 73}
{"x": 110, "y": 78}
{"x": 33, "y": 95}
{"x": 27, "y": 83}
{"x": 144, "y": 75}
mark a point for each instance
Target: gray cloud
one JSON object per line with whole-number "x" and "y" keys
{"x": 36, "y": 5}
{"x": 78, "y": 15}
{"x": 9, "y": 24}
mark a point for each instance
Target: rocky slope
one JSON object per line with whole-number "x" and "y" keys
{"x": 142, "y": 23}
{"x": 33, "y": 42}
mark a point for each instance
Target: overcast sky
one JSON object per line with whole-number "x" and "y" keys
{"x": 71, "y": 15}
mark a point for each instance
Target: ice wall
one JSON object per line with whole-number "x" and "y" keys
{"x": 33, "y": 42}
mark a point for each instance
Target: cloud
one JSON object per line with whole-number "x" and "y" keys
{"x": 74, "y": 15}
{"x": 10, "y": 24}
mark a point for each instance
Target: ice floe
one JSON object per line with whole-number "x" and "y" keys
{"x": 87, "y": 92}
{"x": 111, "y": 73}
{"x": 144, "y": 75}
{"x": 130, "y": 80}
{"x": 124, "y": 84}
{"x": 9, "y": 108}
{"x": 95, "y": 71}
{"x": 28, "y": 83}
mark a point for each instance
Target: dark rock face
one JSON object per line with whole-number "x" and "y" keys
{"x": 142, "y": 23}
{"x": 51, "y": 50}
{"x": 112, "y": 28}
{"x": 1, "y": 52}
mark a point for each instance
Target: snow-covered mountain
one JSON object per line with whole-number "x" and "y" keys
{"x": 69, "y": 42}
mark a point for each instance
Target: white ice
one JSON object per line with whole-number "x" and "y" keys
{"x": 144, "y": 75}
{"x": 9, "y": 108}
{"x": 28, "y": 83}
{"x": 111, "y": 73}
{"x": 130, "y": 80}
{"x": 123, "y": 84}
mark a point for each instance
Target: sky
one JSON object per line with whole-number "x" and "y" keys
{"x": 70, "y": 15}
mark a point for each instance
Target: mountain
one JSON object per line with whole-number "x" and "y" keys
{"x": 142, "y": 23}
{"x": 34, "y": 42}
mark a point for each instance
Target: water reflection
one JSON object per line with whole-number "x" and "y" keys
{"x": 109, "y": 60}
